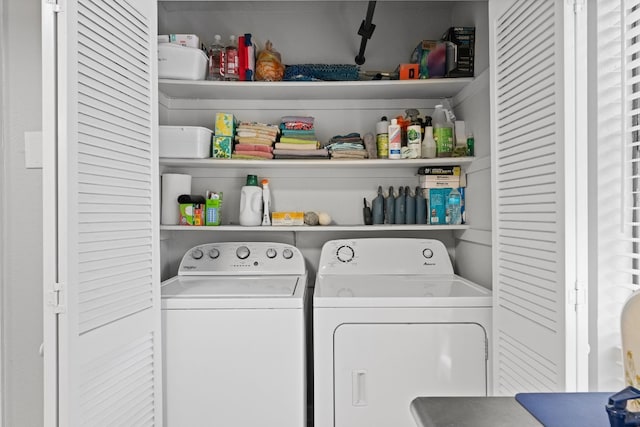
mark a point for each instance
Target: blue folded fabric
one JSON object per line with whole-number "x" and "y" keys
{"x": 567, "y": 409}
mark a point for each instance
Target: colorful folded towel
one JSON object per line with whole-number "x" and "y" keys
{"x": 253, "y": 147}
{"x": 297, "y": 154}
{"x": 296, "y": 140}
{"x": 287, "y": 146}
{"x": 251, "y": 155}
{"x": 253, "y": 140}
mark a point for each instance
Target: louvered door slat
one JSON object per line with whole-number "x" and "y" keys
{"x": 110, "y": 368}
{"x": 528, "y": 147}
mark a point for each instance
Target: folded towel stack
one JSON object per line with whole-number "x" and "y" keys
{"x": 298, "y": 139}
{"x": 348, "y": 146}
{"x": 255, "y": 140}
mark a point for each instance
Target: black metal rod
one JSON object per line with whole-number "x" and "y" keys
{"x": 366, "y": 31}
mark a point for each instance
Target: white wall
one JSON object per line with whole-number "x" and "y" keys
{"x": 21, "y": 217}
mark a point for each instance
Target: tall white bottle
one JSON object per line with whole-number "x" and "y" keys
{"x": 395, "y": 140}
{"x": 251, "y": 203}
{"x": 266, "y": 202}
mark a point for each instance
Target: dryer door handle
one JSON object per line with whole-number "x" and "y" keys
{"x": 359, "y": 387}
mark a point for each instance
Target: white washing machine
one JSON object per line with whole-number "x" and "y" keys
{"x": 391, "y": 322}
{"x": 234, "y": 337}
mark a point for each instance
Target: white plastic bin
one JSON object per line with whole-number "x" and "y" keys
{"x": 185, "y": 142}
{"x": 181, "y": 63}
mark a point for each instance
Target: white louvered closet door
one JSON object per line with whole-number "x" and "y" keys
{"x": 536, "y": 340}
{"x": 102, "y": 331}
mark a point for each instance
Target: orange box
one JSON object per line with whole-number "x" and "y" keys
{"x": 409, "y": 71}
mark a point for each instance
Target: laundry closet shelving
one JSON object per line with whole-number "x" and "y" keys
{"x": 326, "y": 32}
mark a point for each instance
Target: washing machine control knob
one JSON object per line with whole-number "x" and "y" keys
{"x": 243, "y": 252}
{"x": 287, "y": 253}
{"x": 271, "y": 253}
{"x": 214, "y": 253}
{"x": 197, "y": 254}
{"x": 427, "y": 253}
{"x": 345, "y": 253}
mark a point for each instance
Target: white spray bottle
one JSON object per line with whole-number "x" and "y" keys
{"x": 266, "y": 200}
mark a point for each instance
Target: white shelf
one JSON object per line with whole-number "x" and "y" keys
{"x": 319, "y": 228}
{"x": 370, "y": 89}
{"x": 315, "y": 164}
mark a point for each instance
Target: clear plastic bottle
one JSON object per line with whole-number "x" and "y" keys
{"x": 231, "y": 60}
{"x": 216, "y": 59}
{"x": 428, "y": 149}
{"x": 442, "y": 132}
{"x": 454, "y": 207}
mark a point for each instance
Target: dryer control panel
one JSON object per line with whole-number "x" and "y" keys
{"x": 385, "y": 256}
{"x": 228, "y": 258}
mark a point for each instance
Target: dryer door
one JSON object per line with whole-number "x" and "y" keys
{"x": 380, "y": 368}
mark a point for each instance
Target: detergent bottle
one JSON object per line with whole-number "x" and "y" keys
{"x": 251, "y": 202}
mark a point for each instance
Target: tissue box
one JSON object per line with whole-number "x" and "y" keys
{"x": 185, "y": 142}
{"x": 225, "y": 124}
{"x": 181, "y": 63}
{"x": 221, "y": 147}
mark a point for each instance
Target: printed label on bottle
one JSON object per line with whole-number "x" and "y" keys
{"x": 444, "y": 140}
{"x": 382, "y": 144}
{"x": 231, "y": 63}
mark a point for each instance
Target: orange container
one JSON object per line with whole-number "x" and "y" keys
{"x": 409, "y": 71}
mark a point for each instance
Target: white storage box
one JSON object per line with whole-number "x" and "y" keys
{"x": 180, "y": 62}
{"x": 185, "y": 142}
{"x": 189, "y": 40}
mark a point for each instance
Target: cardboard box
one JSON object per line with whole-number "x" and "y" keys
{"x": 460, "y": 61}
{"x": 191, "y": 214}
{"x": 225, "y": 125}
{"x": 287, "y": 218}
{"x": 213, "y": 208}
{"x": 222, "y": 147}
{"x": 438, "y": 205}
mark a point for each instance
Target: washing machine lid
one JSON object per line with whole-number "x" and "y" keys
{"x": 448, "y": 290}
{"x": 229, "y": 286}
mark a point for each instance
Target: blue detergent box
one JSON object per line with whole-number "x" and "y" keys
{"x": 437, "y": 203}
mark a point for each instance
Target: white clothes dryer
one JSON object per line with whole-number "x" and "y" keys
{"x": 234, "y": 337}
{"x": 391, "y": 322}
